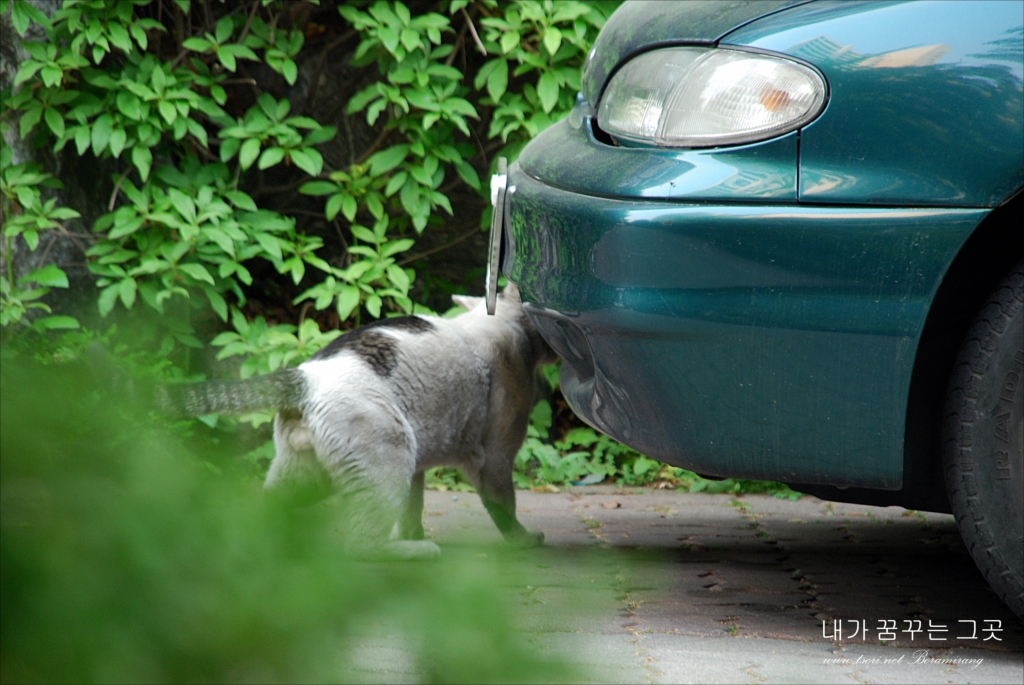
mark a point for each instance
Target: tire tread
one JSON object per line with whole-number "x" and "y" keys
{"x": 973, "y": 362}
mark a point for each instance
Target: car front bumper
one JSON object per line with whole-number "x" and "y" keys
{"x": 771, "y": 341}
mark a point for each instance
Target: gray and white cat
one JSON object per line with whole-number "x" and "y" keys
{"x": 368, "y": 414}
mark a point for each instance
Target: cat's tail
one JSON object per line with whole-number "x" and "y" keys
{"x": 282, "y": 389}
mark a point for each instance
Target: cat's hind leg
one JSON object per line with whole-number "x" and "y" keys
{"x": 375, "y": 476}
{"x": 494, "y": 483}
{"x": 410, "y": 525}
{"x": 368, "y": 513}
{"x": 295, "y": 475}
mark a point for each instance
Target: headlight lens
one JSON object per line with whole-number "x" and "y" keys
{"x": 706, "y": 97}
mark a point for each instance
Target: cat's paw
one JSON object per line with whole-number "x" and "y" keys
{"x": 409, "y": 550}
{"x": 405, "y": 531}
{"x": 526, "y": 537}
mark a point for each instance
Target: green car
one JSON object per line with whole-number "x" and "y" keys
{"x": 776, "y": 240}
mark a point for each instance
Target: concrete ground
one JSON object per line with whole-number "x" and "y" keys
{"x": 645, "y": 586}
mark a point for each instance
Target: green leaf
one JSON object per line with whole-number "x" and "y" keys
{"x": 197, "y": 44}
{"x": 119, "y": 37}
{"x": 398, "y": 277}
{"x": 317, "y": 188}
{"x": 373, "y": 305}
{"x": 290, "y": 72}
{"x": 468, "y": 174}
{"x": 217, "y": 302}
{"x": 63, "y": 213}
{"x": 127, "y": 228}
{"x": 389, "y": 38}
{"x": 27, "y": 71}
{"x": 142, "y": 158}
{"x": 250, "y": 150}
{"x": 386, "y": 160}
{"x": 552, "y": 39}
{"x": 241, "y": 200}
{"x": 29, "y": 119}
{"x": 333, "y": 205}
{"x": 56, "y": 322}
{"x": 308, "y": 160}
{"x": 20, "y": 17}
{"x": 410, "y": 197}
{"x": 364, "y": 234}
{"x": 117, "y": 141}
{"x": 229, "y": 147}
{"x": 410, "y": 39}
{"x": 363, "y": 98}
{"x": 319, "y": 136}
{"x": 297, "y": 122}
{"x": 396, "y": 246}
{"x": 483, "y": 72}
{"x": 421, "y": 175}
{"x": 52, "y": 75}
{"x": 55, "y": 121}
{"x": 348, "y": 207}
{"x": 197, "y": 271}
{"x": 183, "y": 203}
{"x": 129, "y": 105}
{"x": 50, "y": 276}
{"x": 101, "y": 131}
{"x": 240, "y": 51}
{"x": 348, "y": 300}
{"x": 222, "y": 239}
{"x": 127, "y": 289}
{"x": 159, "y": 80}
{"x": 497, "y": 81}
{"x": 442, "y": 201}
{"x": 81, "y": 139}
{"x": 269, "y": 243}
{"x": 107, "y": 298}
{"x": 31, "y": 237}
{"x": 224, "y": 29}
{"x": 197, "y": 130}
{"x": 509, "y": 41}
{"x": 297, "y": 268}
{"x": 270, "y": 157}
{"x": 375, "y": 206}
{"x": 422, "y": 99}
{"x": 167, "y": 111}
{"x": 139, "y": 35}
{"x": 227, "y": 59}
{"x": 396, "y": 182}
{"x": 547, "y": 89}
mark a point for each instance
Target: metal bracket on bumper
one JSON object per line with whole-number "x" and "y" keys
{"x": 499, "y": 192}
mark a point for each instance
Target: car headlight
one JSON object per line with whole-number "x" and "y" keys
{"x": 706, "y": 97}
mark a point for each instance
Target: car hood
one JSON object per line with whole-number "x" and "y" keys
{"x": 641, "y": 24}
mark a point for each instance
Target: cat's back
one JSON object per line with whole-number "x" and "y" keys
{"x": 404, "y": 353}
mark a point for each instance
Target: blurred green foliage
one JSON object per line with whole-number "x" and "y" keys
{"x": 124, "y": 558}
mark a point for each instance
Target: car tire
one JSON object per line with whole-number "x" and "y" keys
{"x": 983, "y": 440}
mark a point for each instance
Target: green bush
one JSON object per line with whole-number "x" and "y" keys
{"x": 180, "y": 225}
{"x": 164, "y": 101}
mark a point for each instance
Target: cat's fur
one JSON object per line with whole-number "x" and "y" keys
{"x": 369, "y": 413}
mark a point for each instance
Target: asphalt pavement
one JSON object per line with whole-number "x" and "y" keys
{"x": 647, "y": 586}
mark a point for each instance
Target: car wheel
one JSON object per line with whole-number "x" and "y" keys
{"x": 984, "y": 440}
